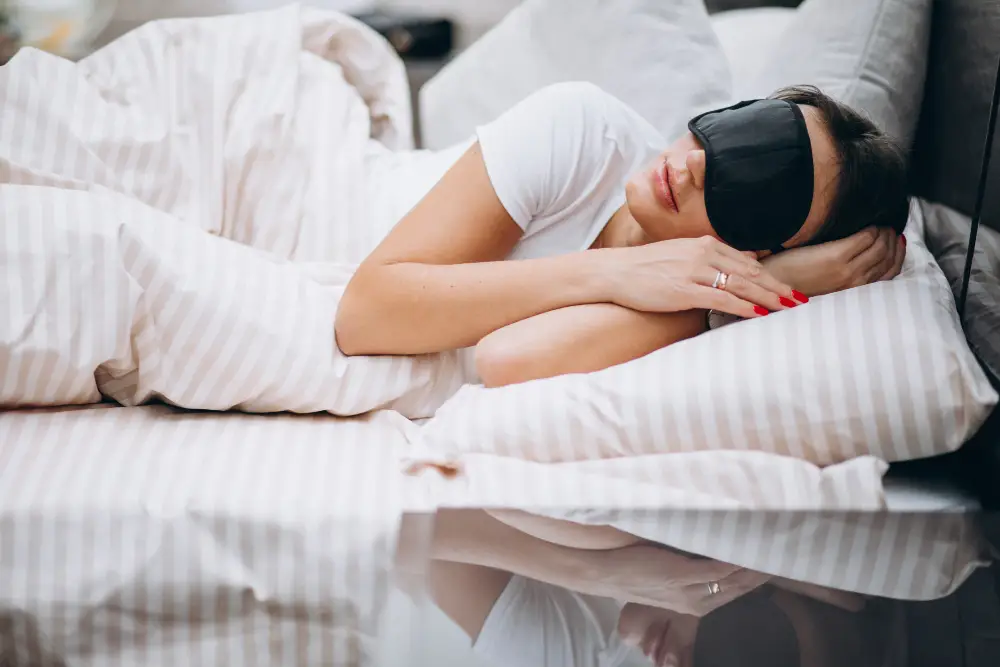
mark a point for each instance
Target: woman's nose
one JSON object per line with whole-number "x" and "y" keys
{"x": 696, "y": 168}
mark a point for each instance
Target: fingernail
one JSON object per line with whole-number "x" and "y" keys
{"x": 799, "y": 296}
{"x": 787, "y": 303}
{"x": 760, "y": 310}
{"x": 902, "y": 237}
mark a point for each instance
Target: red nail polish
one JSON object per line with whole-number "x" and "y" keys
{"x": 787, "y": 303}
{"x": 760, "y": 310}
{"x": 902, "y": 237}
{"x": 799, "y": 296}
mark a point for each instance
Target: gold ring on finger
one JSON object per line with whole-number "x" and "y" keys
{"x": 714, "y": 588}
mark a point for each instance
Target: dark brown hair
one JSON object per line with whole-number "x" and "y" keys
{"x": 872, "y": 188}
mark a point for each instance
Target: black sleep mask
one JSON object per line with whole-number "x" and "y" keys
{"x": 758, "y": 172}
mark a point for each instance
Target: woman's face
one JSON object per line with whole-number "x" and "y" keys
{"x": 667, "y": 198}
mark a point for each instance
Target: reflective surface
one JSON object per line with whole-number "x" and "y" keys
{"x": 552, "y": 612}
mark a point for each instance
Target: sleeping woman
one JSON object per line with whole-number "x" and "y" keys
{"x": 570, "y": 236}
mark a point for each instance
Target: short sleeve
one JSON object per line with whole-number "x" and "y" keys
{"x": 553, "y": 148}
{"x": 533, "y": 623}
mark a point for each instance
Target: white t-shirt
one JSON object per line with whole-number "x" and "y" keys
{"x": 534, "y": 624}
{"x": 559, "y": 161}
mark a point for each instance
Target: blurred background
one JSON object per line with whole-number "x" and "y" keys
{"x": 73, "y": 27}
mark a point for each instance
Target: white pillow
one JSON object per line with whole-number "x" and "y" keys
{"x": 881, "y": 370}
{"x": 748, "y": 37}
{"x": 870, "y": 54}
{"x": 662, "y": 58}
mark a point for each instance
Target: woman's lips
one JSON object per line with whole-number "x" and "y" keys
{"x": 661, "y": 181}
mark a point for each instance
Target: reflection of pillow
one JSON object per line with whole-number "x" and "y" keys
{"x": 881, "y": 370}
{"x": 870, "y": 54}
{"x": 662, "y": 58}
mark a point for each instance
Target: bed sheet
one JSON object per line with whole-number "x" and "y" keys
{"x": 148, "y": 536}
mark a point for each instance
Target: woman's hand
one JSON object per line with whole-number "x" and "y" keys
{"x": 666, "y": 579}
{"x": 677, "y": 275}
{"x": 665, "y": 637}
{"x": 866, "y": 257}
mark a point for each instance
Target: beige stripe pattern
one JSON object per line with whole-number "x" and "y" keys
{"x": 154, "y": 537}
{"x": 182, "y": 210}
{"x": 771, "y": 514}
{"x": 882, "y": 370}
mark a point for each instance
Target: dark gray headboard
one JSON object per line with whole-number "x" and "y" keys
{"x": 965, "y": 44}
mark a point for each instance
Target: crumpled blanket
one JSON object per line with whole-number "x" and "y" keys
{"x": 182, "y": 209}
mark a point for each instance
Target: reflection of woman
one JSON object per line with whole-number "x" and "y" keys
{"x": 534, "y": 592}
{"x": 619, "y": 241}
{"x": 772, "y": 626}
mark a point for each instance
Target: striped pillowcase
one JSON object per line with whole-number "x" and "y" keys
{"x": 881, "y": 370}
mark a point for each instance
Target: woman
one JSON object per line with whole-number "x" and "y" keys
{"x": 620, "y": 243}
{"x": 533, "y": 592}
{"x": 621, "y": 247}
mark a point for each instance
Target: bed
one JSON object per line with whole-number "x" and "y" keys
{"x": 160, "y": 534}
{"x": 953, "y": 627}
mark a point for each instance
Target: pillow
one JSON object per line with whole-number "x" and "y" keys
{"x": 661, "y": 58}
{"x": 748, "y": 37}
{"x": 870, "y": 54}
{"x": 880, "y": 370}
{"x": 947, "y": 233}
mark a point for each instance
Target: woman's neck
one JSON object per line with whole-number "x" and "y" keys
{"x": 622, "y": 231}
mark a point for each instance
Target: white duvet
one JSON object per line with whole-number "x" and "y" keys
{"x": 182, "y": 210}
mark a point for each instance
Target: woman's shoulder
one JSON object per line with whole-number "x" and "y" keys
{"x": 574, "y": 117}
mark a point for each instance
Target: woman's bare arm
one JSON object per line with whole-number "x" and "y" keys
{"x": 438, "y": 281}
{"x": 565, "y": 533}
{"x": 578, "y": 339}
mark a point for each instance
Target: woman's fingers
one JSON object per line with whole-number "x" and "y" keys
{"x": 891, "y": 244}
{"x": 711, "y": 298}
{"x": 678, "y": 643}
{"x": 736, "y": 585}
{"x": 857, "y": 243}
{"x": 897, "y": 261}
{"x": 687, "y": 571}
{"x": 754, "y": 272}
{"x": 714, "y": 245}
{"x": 763, "y": 290}
{"x": 869, "y": 266}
